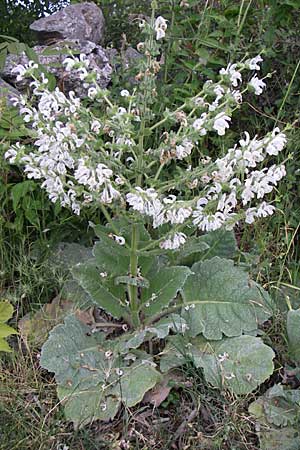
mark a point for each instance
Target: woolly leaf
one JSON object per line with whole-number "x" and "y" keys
{"x": 220, "y": 243}
{"x": 92, "y": 378}
{"x": 293, "y": 332}
{"x": 136, "y": 381}
{"x": 222, "y": 300}
{"x": 88, "y": 276}
{"x": 277, "y": 415}
{"x": 239, "y": 364}
{"x": 164, "y": 284}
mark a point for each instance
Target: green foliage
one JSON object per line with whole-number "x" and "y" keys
{"x": 93, "y": 378}
{"x": 221, "y": 300}
{"x": 6, "y": 312}
{"x": 278, "y": 416}
{"x": 237, "y": 364}
{"x": 15, "y": 17}
{"x": 96, "y": 373}
{"x": 204, "y": 37}
{"x": 293, "y": 332}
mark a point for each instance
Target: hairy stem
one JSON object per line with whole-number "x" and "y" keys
{"x": 133, "y": 290}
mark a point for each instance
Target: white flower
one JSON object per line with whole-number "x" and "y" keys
{"x": 184, "y": 150}
{"x": 253, "y": 63}
{"x": 234, "y": 75}
{"x": 265, "y": 209}
{"x": 221, "y": 123}
{"x": 69, "y": 63}
{"x": 178, "y": 215}
{"x": 92, "y": 92}
{"x": 23, "y": 71}
{"x": 198, "y": 124}
{"x": 121, "y": 111}
{"x": 103, "y": 274}
{"x": 237, "y": 95}
{"x": 95, "y": 126}
{"x": 173, "y": 242}
{"x": 136, "y": 201}
{"x": 160, "y": 27}
{"x": 124, "y": 93}
{"x": 119, "y": 181}
{"x": 12, "y": 152}
{"x": 277, "y": 143}
{"x": 119, "y": 239}
{"x": 250, "y": 215}
{"x": 223, "y": 357}
{"x": 257, "y": 84}
{"x": 109, "y": 193}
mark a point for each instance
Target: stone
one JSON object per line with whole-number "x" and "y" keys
{"x": 8, "y": 92}
{"x": 51, "y": 57}
{"x": 83, "y": 21}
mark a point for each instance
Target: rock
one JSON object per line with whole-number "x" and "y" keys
{"x": 8, "y": 92}
{"x": 52, "y": 57}
{"x": 125, "y": 59}
{"x": 83, "y": 21}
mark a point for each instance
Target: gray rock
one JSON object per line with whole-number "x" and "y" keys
{"x": 83, "y": 21}
{"x": 52, "y": 57}
{"x": 8, "y": 92}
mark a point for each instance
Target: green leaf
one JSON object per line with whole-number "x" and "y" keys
{"x": 92, "y": 378}
{"x": 239, "y": 364}
{"x": 69, "y": 254}
{"x": 293, "y": 332}
{"x": 4, "y": 347}
{"x": 194, "y": 245}
{"x": 20, "y": 190}
{"x": 72, "y": 291}
{"x": 136, "y": 381}
{"x": 6, "y": 311}
{"x": 165, "y": 282}
{"x": 222, "y": 300}
{"x": 31, "y": 54}
{"x": 220, "y": 243}
{"x": 88, "y": 276}
{"x": 114, "y": 258}
{"x": 3, "y": 55}
{"x": 85, "y": 406}
{"x": 6, "y": 330}
{"x": 277, "y": 415}
{"x": 160, "y": 330}
{"x": 133, "y": 281}
{"x": 111, "y": 257}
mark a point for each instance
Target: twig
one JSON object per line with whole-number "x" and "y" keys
{"x": 183, "y": 425}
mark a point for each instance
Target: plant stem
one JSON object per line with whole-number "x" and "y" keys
{"x": 133, "y": 290}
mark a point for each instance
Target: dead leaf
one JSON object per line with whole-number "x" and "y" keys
{"x": 34, "y": 328}
{"x": 161, "y": 391}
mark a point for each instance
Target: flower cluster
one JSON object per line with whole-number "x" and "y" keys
{"x": 84, "y": 158}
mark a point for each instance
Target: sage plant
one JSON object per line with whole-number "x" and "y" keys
{"x": 100, "y": 151}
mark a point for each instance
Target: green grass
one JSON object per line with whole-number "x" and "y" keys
{"x": 31, "y": 417}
